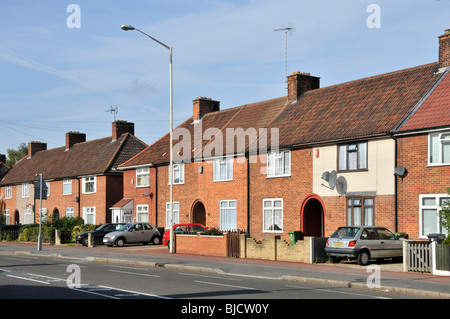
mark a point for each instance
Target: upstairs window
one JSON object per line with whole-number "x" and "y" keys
{"x": 439, "y": 148}
{"x": 352, "y": 157}
{"x": 279, "y": 164}
{"x": 142, "y": 177}
{"x": 89, "y": 185}
{"x": 223, "y": 169}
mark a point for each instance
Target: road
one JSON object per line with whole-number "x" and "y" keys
{"x": 31, "y": 277}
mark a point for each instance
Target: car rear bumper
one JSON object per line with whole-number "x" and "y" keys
{"x": 342, "y": 252}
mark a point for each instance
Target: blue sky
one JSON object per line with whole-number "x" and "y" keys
{"x": 56, "y": 79}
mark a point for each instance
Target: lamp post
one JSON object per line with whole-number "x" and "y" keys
{"x": 130, "y": 28}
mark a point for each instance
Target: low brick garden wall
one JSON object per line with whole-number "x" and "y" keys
{"x": 202, "y": 244}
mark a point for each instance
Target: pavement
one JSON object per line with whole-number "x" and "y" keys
{"x": 392, "y": 279}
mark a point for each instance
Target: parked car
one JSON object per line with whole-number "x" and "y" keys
{"x": 133, "y": 233}
{"x": 183, "y": 229}
{"x": 363, "y": 243}
{"x": 98, "y": 233}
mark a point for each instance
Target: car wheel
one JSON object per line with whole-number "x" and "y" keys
{"x": 156, "y": 240}
{"x": 363, "y": 258}
{"x": 120, "y": 242}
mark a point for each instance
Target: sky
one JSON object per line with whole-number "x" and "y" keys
{"x": 64, "y": 64}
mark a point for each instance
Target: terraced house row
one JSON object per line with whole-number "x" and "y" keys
{"x": 374, "y": 151}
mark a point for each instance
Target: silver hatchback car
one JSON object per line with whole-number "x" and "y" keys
{"x": 363, "y": 243}
{"x": 133, "y": 233}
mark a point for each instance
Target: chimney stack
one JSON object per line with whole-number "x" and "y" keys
{"x": 203, "y": 105}
{"x": 73, "y": 138}
{"x": 121, "y": 127}
{"x": 444, "y": 50}
{"x": 299, "y": 82}
{"x": 34, "y": 147}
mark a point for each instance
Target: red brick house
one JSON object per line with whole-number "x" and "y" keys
{"x": 423, "y": 142}
{"x": 82, "y": 177}
{"x": 312, "y": 161}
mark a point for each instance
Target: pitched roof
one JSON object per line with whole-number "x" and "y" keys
{"x": 364, "y": 108}
{"x": 434, "y": 112}
{"x": 359, "y": 109}
{"x": 101, "y": 156}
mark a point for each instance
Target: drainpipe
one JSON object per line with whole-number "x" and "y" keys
{"x": 396, "y": 184}
{"x": 248, "y": 192}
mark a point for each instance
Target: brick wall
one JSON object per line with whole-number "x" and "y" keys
{"x": 292, "y": 190}
{"x": 421, "y": 179}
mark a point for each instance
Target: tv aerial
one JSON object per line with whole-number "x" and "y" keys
{"x": 287, "y": 31}
{"x": 113, "y": 110}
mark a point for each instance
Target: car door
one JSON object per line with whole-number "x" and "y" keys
{"x": 136, "y": 234}
{"x": 391, "y": 246}
{"x": 369, "y": 239}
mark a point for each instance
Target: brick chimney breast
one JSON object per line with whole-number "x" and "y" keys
{"x": 300, "y": 82}
{"x": 444, "y": 50}
{"x": 121, "y": 127}
{"x": 202, "y": 106}
{"x": 73, "y": 138}
{"x": 34, "y": 147}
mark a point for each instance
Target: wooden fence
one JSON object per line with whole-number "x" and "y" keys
{"x": 426, "y": 257}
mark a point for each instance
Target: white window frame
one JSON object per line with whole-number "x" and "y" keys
{"x": 281, "y": 159}
{"x": 86, "y": 180}
{"x": 70, "y": 212}
{"x": 8, "y": 192}
{"x": 66, "y": 183}
{"x": 27, "y": 216}
{"x": 7, "y": 221}
{"x": 143, "y": 173}
{"x": 438, "y": 198}
{"x": 228, "y": 214}
{"x": 25, "y": 190}
{"x": 176, "y": 213}
{"x": 142, "y": 213}
{"x": 223, "y": 169}
{"x": 177, "y": 168}
{"x": 272, "y": 208}
{"x": 89, "y": 211}
{"x": 443, "y": 138}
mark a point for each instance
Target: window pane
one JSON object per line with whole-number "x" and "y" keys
{"x": 362, "y": 155}
{"x": 429, "y": 221}
{"x": 352, "y": 161}
{"x": 429, "y": 201}
{"x": 446, "y": 152}
{"x": 434, "y": 148}
{"x": 342, "y": 157}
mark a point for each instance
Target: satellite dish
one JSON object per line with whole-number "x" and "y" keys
{"x": 332, "y": 179}
{"x": 341, "y": 185}
{"x": 400, "y": 171}
{"x": 326, "y": 176}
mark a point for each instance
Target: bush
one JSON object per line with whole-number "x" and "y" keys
{"x": 446, "y": 240}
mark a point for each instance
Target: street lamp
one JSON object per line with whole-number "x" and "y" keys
{"x": 131, "y": 28}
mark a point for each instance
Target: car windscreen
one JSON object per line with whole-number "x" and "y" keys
{"x": 345, "y": 232}
{"x": 126, "y": 227}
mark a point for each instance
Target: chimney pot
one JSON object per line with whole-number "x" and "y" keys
{"x": 204, "y": 105}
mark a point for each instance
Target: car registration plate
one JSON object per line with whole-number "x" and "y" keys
{"x": 338, "y": 244}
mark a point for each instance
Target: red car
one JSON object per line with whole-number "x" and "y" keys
{"x": 183, "y": 229}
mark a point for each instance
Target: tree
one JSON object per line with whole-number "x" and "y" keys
{"x": 15, "y": 155}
